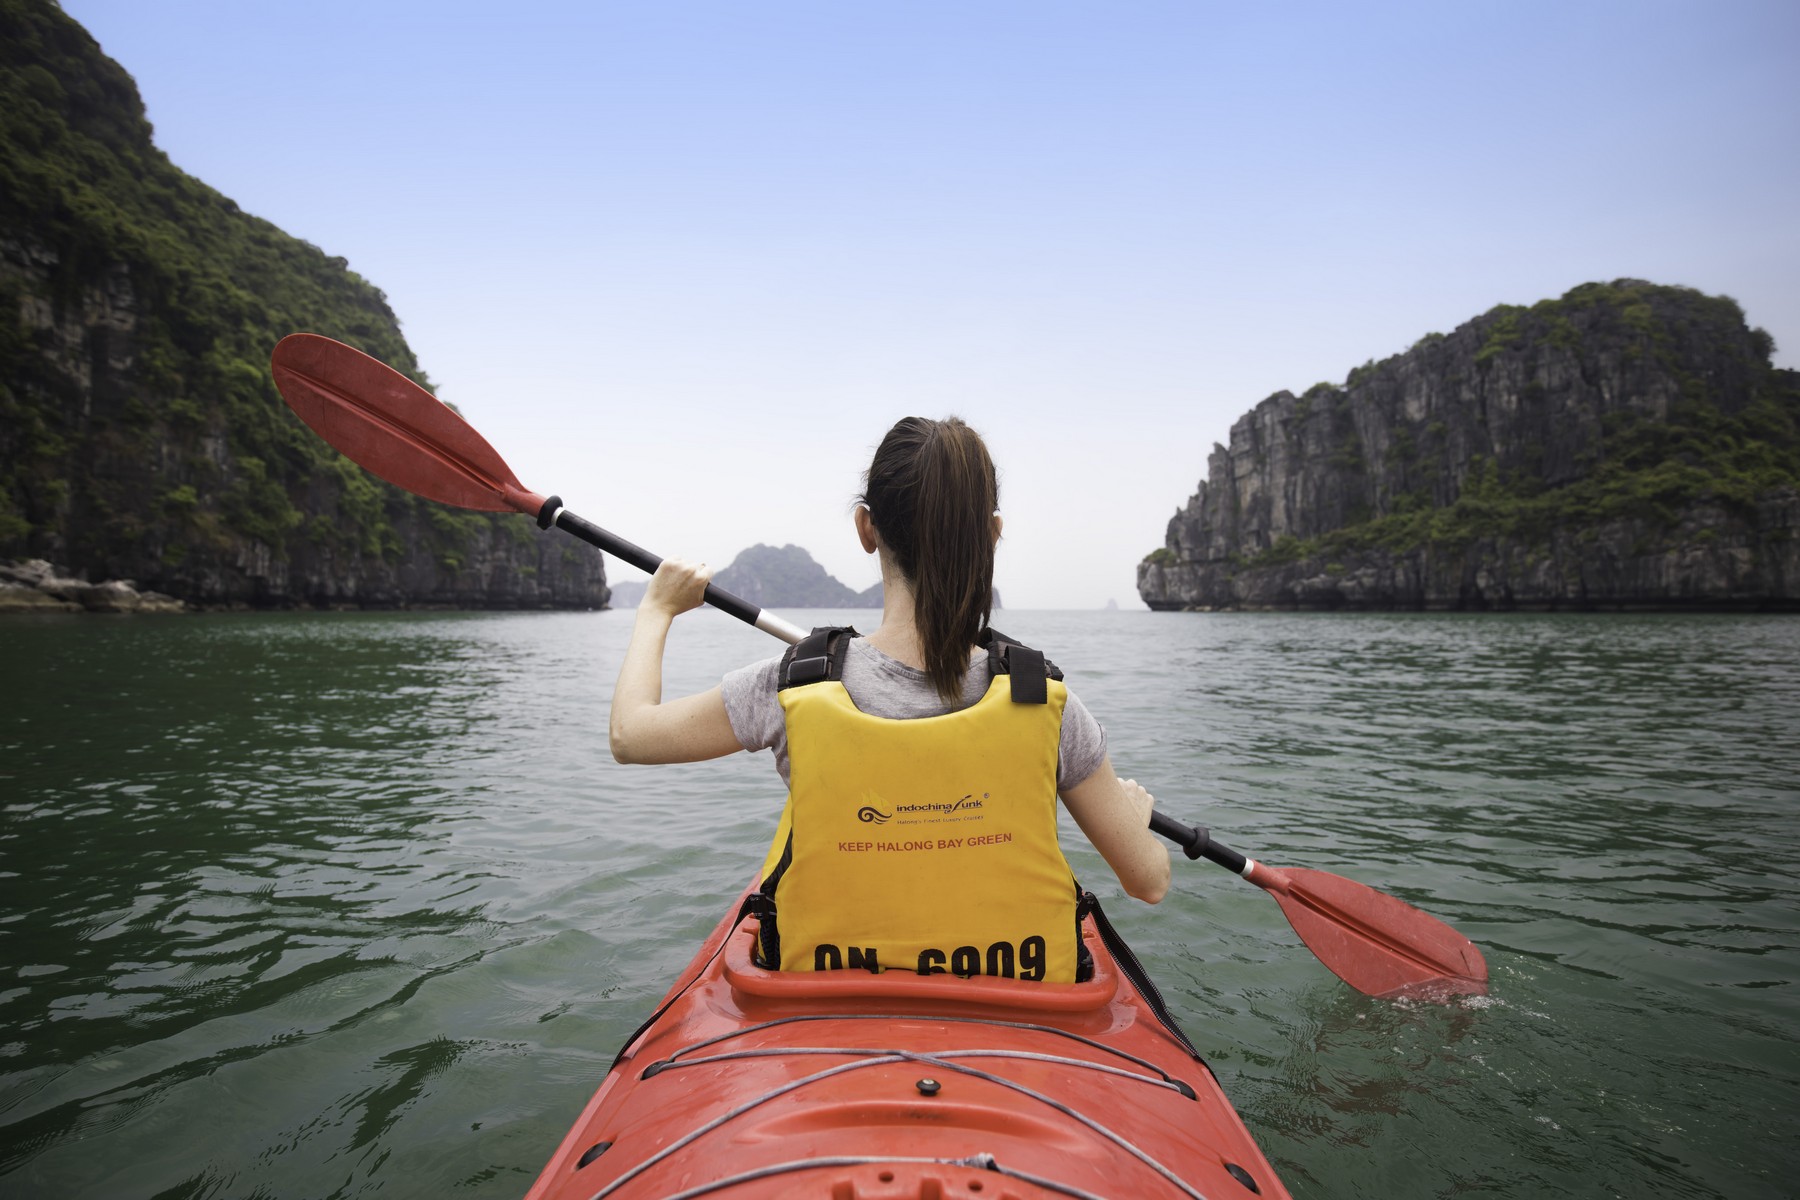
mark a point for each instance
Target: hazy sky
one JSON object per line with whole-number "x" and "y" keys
{"x": 683, "y": 263}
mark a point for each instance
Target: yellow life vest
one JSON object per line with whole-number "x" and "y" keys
{"x": 926, "y": 844}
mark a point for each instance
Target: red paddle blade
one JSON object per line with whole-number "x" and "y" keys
{"x": 1377, "y": 944}
{"x": 389, "y": 425}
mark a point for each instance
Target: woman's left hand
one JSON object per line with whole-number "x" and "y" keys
{"x": 1139, "y": 798}
{"x": 1115, "y": 815}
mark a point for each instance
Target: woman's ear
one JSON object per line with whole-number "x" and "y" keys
{"x": 865, "y": 530}
{"x": 998, "y": 521}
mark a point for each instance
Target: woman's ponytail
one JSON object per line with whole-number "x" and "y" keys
{"x": 932, "y": 493}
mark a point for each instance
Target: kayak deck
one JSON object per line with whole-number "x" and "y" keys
{"x": 855, "y": 1086}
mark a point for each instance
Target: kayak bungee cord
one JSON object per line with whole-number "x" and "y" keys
{"x": 675, "y": 1059}
{"x": 855, "y": 1051}
{"x": 977, "y": 1162}
{"x": 888, "y": 1058}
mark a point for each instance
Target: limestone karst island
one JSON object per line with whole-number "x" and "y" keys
{"x": 1626, "y": 446}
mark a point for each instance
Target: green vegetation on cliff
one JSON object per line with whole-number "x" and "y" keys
{"x": 1643, "y": 466}
{"x": 140, "y": 431}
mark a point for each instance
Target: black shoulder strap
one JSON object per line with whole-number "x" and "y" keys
{"x": 817, "y": 657}
{"x": 1028, "y": 668}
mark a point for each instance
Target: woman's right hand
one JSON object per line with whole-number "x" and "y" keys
{"x": 677, "y": 586}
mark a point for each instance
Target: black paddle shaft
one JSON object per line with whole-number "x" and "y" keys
{"x": 1196, "y": 842}
{"x": 553, "y": 513}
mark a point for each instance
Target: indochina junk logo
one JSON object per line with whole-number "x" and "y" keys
{"x": 868, "y": 813}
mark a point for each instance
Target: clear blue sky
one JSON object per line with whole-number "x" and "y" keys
{"x": 685, "y": 262}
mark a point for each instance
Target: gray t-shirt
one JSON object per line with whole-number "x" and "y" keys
{"x": 885, "y": 687}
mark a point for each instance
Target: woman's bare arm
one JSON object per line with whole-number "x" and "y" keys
{"x": 1115, "y": 816}
{"x": 643, "y": 729}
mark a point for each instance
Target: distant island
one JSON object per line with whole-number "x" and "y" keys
{"x": 787, "y": 577}
{"x": 1627, "y": 446}
{"x": 776, "y": 577}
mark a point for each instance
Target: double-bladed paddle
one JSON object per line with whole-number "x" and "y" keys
{"x": 386, "y": 423}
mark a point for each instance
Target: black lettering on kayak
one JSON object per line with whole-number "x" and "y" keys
{"x": 1000, "y": 959}
{"x": 931, "y": 962}
{"x": 965, "y": 961}
{"x": 864, "y": 956}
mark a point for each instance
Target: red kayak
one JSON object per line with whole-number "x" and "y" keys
{"x": 848, "y": 1085}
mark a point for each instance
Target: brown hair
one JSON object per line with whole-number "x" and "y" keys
{"x": 932, "y": 493}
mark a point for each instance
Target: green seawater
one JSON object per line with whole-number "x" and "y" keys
{"x": 330, "y": 905}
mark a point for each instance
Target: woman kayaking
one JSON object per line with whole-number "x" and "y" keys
{"x": 923, "y": 761}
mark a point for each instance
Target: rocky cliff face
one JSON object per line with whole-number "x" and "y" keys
{"x": 1627, "y": 445}
{"x": 141, "y": 436}
{"x": 155, "y": 486}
